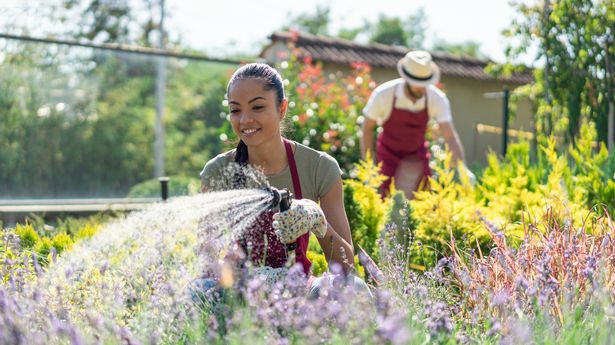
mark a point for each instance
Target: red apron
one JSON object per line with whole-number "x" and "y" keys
{"x": 260, "y": 241}
{"x": 403, "y": 136}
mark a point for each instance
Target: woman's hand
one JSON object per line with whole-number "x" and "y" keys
{"x": 303, "y": 215}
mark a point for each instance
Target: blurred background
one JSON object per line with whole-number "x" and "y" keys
{"x": 99, "y": 98}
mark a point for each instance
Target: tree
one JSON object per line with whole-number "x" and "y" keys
{"x": 468, "y": 48}
{"x": 389, "y": 30}
{"x": 350, "y": 33}
{"x": 575, "y": 43}
{"x": 416, "y": 27}
{"x": 395, "y": 31}
{"x": 315, "y": 24}
{"x": 114, "y": 21}
{"x": 79, "y": 122}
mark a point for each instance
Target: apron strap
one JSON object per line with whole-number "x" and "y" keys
{"x": 296, "y": 183}
{"x": 293, "y": 169}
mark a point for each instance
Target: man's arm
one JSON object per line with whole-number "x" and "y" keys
{"x": 367, "y": 138}
{"x": 452, "y": 140}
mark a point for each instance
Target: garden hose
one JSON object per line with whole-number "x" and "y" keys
{"x": 282, "y": 198}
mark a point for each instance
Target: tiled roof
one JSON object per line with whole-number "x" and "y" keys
{"x": 342, "y": 51}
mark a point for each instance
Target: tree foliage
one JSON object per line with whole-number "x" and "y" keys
{"x": 82, "y": 123}
{"x": 466, "y": 49}
{"x": 396, "y": 31}
{"x": 314, "y": 23}
{"x": 574, "y": 41}
{"x": 114, "y": 21}
{"x": 410, "y": 32}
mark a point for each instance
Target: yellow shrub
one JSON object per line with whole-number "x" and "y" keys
{"x": 42, "y": 248}
{"x": 62, "y": 242}
{"x": 319, "y": 263}
{"x": 373, "y": 208}
{"x": 449, "y": 208}
{"x": 87, "y": 231}
{"x": 27, "y": 235}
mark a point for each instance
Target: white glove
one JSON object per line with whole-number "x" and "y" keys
{"x": 464, "y": 173}
{"x": 303, "y": 215}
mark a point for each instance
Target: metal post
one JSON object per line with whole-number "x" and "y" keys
{"x": 164, "y": 187}
{"x": 505, "y": 121}
{"x": 611, "y": 130}
{"x": 546, "y": 12}
{"x": 160, "y": 95}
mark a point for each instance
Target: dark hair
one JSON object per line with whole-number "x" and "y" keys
{"x": 272, "y": 80}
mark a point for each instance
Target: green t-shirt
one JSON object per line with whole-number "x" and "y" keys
{"x": 317, "y": 173}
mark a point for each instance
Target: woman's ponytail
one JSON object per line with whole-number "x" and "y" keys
{"x": 241, "y": 158}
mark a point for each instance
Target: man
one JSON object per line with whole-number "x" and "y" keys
{"x": 403, "y": 108}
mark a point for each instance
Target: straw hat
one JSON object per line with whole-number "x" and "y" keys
{"x": 418, "y": 69}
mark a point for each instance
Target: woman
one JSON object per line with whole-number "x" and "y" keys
{"x": 257, "y": 106}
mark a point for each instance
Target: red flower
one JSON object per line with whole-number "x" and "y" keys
{"x": 360, "y": 66}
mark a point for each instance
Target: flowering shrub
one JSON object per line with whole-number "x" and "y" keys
{"x": 325, "y": 110}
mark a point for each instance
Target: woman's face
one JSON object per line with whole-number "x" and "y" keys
{"x": 255, "y": 112}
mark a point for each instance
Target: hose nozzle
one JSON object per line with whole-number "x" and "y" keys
{"x": 282, "y": 198}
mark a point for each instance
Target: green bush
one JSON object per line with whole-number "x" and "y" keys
{"x": 401, "y": 215}
{"x": 354, "y": 214}
{"x": 178, "y": 186}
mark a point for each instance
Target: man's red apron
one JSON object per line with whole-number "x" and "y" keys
{"x": 260, "y": 241}
{"x": 402, "y": 137}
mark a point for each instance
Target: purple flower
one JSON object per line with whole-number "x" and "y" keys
{"x": 500, "y": 298}
{"x": 394, "y": 329}
{"x": 438, "y": 319}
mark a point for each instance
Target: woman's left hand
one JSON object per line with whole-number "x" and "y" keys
{"x": 303, "y": 215}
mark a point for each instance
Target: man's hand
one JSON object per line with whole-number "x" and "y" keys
{"x": 303, "y": 215}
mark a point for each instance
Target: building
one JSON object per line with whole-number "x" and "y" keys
{"x": 475, "y": 96}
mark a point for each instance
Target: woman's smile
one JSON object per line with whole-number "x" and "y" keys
{"x": 248, "y": 132}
